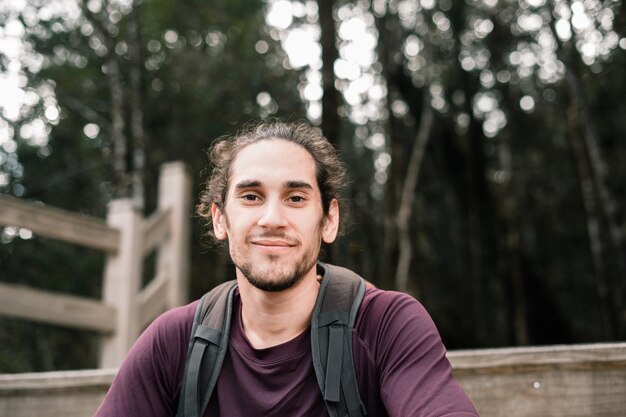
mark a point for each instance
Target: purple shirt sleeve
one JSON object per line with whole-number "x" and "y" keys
{"x": 415, "y": 376}
{"x": 148, "y": 380}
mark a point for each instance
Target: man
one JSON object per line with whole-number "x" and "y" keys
{"x": 274, "y": 195}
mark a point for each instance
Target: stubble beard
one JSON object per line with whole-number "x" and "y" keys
{"x": 273, "y": 278}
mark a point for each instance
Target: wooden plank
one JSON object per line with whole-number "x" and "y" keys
{"x": 537, "y": 357}
{"x": 80, "y": 403}
{"x": 155, "y": 228}
{"x": 555, "y": 393}
{"x": 552, "y": 381}
{"x": 175, "y": 195}
{"x": 152, "y": 299}
{"x": 58, "y": 224}
{"x": 122, "y": 281}
{"x": 54, "y": 394}
{"x": 65, "y": 310}
{"x": 14, "y": 384}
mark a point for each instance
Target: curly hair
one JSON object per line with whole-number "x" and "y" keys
{"x": 330, "y": 170}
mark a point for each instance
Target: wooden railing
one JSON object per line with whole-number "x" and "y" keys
{"x": 126, "y": 238}
{"x": 550, "y": 381}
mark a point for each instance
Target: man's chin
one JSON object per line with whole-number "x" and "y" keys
{"x": 274, "y": 272}
{"x": 272, "y": 284}
{"x": 272, "y": 276}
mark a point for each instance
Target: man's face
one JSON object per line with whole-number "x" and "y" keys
{"x": 273, "y": 217}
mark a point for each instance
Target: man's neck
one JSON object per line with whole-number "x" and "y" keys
{"x": 272, "y": 318}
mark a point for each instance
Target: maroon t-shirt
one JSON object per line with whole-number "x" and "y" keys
{"x": 399, "y": 359}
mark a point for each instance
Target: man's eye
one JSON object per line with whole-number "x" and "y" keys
{"x": 296, "y": 199}
{"x": 249, "y": 197}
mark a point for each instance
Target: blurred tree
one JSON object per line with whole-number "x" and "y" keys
{"x": 330, "y": 99}
{"x": 495, "y": 76}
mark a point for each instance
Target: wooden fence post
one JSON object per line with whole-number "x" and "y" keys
{"x": 173, "y": 259}
{"x": 122, "y": 280}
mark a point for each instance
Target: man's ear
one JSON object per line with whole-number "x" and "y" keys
{"x": 219, "y": 222}
{"x": 331, "y": 223}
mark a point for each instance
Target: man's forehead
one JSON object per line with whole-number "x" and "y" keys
{"x": 274, "y": 162}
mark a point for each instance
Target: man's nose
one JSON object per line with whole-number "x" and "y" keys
{"x": 273, "y": 215}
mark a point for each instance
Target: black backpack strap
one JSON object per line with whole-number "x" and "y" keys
{"x": 332, "y": 321}
{"x": 207, "y": 348}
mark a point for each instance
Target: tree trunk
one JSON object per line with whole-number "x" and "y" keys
{"x": 114, "y": 77}
{"x": 388, "y": 41}
{"x": 392, "y": 187}
{"x": 330, "y": 99}
{"x": 593, "y": 225}
{"x": 403, "y": 219}
{"x": 136, "y": 110}
{"x": 120, "y": 168}
{"x": 511, "y": 217}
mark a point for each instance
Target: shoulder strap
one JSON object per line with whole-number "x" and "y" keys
{"x": 332, "y": 321}
{"x": 207, "y": 347}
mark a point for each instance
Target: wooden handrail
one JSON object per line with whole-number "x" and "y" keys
{"x": 502, "y": 360}
{"x": 65, "y": 310}
{"x": 58, "y": 224}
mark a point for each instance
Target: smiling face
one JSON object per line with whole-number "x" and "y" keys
{"x": 273, "y": 216}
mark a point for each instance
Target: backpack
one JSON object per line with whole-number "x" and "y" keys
{"x": 340, "y": 295}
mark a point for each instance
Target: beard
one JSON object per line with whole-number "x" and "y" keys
{"x": 272, "y": 280}
{"x": 273, "y": 277}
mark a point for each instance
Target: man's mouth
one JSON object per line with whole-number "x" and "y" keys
{"x": 272, "y": 243}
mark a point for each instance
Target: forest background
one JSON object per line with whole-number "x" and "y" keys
{"x": 482, "y": 138}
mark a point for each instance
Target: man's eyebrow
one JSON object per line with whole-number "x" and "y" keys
{"x": 298, "y": 184}
{"x": 248, "y": 184}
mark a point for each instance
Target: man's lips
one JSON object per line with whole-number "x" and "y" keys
{"x": 272, "y": 243}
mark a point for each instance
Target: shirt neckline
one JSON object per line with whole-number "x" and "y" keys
{"x": 289, "y": 350}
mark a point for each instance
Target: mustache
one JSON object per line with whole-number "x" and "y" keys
{"x": 283, "y": 237}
